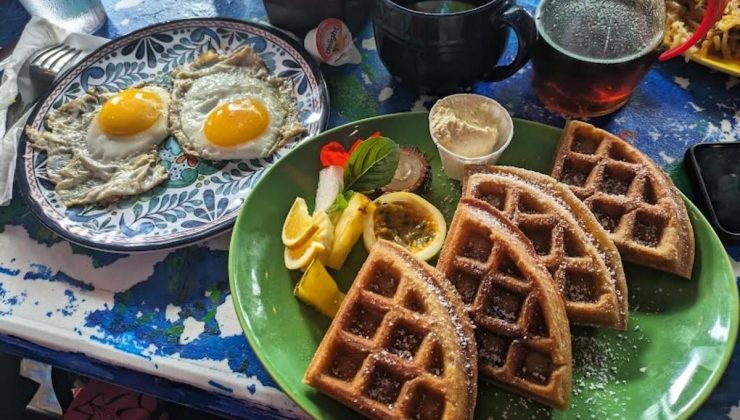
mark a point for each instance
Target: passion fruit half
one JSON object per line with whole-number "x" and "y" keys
{"x": 408, "y": 220}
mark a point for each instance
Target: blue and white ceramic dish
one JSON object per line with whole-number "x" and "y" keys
{"x": 201, "y": 198}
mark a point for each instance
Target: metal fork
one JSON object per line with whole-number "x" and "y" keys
{"x": 47, "y": 63}
{"x": 43, "y": 67}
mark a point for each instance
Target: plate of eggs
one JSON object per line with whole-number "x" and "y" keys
{"x": 154, "y": 140}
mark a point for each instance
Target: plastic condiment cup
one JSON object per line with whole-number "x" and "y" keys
{"x": 453, "y": 163}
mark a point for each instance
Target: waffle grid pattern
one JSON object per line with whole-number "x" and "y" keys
{"x": 586, "y": 276}
{"x": 629, "y": 195}
{"x": 385, "y": 354}
{"x": 507, "y": 292}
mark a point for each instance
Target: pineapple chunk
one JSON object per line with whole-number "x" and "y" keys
{"x": 318, "y": 289}
{"x": 349, "y": 229}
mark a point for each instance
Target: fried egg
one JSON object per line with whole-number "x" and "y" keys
{"x": 102, "y": 147}
{"x": 229, "y": 107}
{"x": 128, "y": 122}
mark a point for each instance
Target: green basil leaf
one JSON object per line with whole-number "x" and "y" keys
{"x": 372, "y": 165}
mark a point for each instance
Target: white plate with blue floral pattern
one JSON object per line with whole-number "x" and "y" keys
{"x": 201, "y": 198}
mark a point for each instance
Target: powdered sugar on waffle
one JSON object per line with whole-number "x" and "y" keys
{"x": 432, "y": 285}
{"x": 547, "y": 189}
{"x": 602, "y": 364}
{"x": 489, "y": 220}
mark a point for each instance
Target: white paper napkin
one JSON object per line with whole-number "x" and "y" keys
{"x": 39, "y": 33}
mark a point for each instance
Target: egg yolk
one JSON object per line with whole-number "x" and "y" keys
{"x": 129, "y": 112}
{"x": 234, "y": 123}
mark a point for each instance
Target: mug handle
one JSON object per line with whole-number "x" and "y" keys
{"x": 526, "y": 33}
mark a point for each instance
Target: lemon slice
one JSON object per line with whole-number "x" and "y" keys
{"x": 408, "y": 220}
{"x": 300, "y": 258}
{"x": 318, "y": 289}
{"x": 299, "y": 226}
{"x": 325, "y": 232}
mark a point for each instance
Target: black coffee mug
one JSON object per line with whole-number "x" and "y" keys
{"x": 300, "y": 16}
{"x": 445, "y": 51}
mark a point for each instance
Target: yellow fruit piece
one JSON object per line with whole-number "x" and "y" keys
{"x": 348, "y": 229}
{"x": 334, "y": 216}
{"x": 318, "y": 289}
{"x": 315, "y": 247}
{"x": 300, "y": 258}
{"x": 325, "y": 232}
{"x": 299, "y": 226}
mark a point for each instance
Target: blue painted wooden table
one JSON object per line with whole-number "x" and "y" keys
{"x": 164, "y": 323}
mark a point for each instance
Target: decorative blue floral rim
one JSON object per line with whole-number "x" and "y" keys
{"x": 202, "y": 198}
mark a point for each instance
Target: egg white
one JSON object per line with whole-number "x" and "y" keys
{"x": 208, "y": 92}
{"x": 93, "y": 168}
{"x": 107, "y": 147}
{"x": 212, "y": 80}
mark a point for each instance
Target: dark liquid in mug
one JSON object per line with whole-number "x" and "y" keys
{"x": 574, "y": 88}
{"x": 440, "y": 7}
{"x": 441, "y": 45}
{"x": 591, "y": 55}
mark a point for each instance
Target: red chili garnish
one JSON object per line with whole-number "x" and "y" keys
{"x": 333, "y": 154}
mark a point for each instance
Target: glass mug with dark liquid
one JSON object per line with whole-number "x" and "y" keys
{"x": 591, "y": 54}
{"x": 443, "y": 45}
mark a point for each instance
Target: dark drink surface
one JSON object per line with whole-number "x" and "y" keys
{"x": 440, "y": 6}
{"x": 442, "y": 46}
{"x": 590, "y": 55}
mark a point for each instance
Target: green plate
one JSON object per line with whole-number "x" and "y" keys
{"x": 680, "y": 337}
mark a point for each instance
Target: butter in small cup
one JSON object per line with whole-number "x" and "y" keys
{"x": 469, "y": 129}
